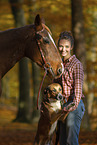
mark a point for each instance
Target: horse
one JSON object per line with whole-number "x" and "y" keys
{"x": 33, "y": 41}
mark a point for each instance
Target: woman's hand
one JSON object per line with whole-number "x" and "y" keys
{"x": 65, "y": 109}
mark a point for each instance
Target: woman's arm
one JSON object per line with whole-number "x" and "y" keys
{"x": 78, "y": 86}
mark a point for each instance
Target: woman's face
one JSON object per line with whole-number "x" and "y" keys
{"x": 65, "y": 48}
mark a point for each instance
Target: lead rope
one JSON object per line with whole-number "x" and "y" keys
{"x": 42, "y": 55}
{"x": 40, "y": 88}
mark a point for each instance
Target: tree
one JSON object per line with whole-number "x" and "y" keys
{"x": 5, "y": 87}
{"x": 35, "y": 68}
{"x": 36, "y": 83}
{"x": 79, "y": 47}
{"x": 24, "y": 110}
{"x": 92, "y": 61}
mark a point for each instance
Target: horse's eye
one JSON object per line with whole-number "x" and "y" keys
{"x": 54, "y": 90}
{"x": 60, "y": 89}
{"x": 46, "y": 40}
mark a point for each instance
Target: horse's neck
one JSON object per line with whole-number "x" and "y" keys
{"x": 12, "y": 42}
{"x": 12, "y": 48}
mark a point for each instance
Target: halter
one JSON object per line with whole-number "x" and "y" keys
{"x": 43, "y": 57}
{"x": 45, "y": 64}
{"x": 44, "y": 60}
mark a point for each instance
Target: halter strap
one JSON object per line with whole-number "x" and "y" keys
{"x": 46, "y": 68}
{"x": 40, "y": 88}
{"x": 41, "y": 52}
{"x": 43, "y": 58}
{"x": 40, "y": 31}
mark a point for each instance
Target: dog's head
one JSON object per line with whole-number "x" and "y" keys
{"x": 54, "y": 91}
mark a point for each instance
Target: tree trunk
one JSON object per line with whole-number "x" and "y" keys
{"x": 92, "y": 64}
{"x": 18, "y": 13}
{"x": 79, "y": 48}
{"x": 36, "y": 83}
{"x": 5, "y": 88}
{"x": 35, "y": 69}
{"x": 24, "y": 107}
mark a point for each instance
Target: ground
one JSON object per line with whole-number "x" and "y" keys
{"x": 23, "y": 134}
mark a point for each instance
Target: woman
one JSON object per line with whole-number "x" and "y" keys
{"x": 72, "y": 84}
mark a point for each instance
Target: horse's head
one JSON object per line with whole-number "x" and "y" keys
{"x": 46, "y": 53}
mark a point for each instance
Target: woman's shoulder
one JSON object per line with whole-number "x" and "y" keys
{"x": 75, "y": 61}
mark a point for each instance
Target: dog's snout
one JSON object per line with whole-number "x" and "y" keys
{"x": 60, "y": 97}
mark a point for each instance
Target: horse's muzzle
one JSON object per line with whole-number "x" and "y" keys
{"x": 59, "y": 71}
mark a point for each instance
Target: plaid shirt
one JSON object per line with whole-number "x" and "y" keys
{"x": 72, "y": 82}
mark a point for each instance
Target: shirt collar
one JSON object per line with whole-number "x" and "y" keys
{"x": 69, "y": 59}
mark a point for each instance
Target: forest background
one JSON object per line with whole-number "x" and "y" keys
{"x": 58, "y": 16}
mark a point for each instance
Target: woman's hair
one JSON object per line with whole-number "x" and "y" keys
{"x": 67, "y": 35}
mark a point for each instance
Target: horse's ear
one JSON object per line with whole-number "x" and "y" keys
{"x": 37, "y": 20}
{"x": 38, "y": 23}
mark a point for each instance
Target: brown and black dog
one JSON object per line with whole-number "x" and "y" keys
{"x": 51, "y": 111}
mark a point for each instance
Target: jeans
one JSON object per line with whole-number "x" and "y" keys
{"x": 69, "y": 130}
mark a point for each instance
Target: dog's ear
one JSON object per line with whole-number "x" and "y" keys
{"x": 46, "y": 90}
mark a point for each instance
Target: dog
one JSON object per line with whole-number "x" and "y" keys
{"x": 51, "y": 111}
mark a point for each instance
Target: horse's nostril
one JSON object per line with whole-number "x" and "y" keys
{"x": 60, "y": 97}
{"x": 59, "y": 70}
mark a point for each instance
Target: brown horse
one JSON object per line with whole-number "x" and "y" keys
{"x": 32, "y": 41}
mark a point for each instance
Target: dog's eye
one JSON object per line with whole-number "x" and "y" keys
{"x": 60, "y": 89}
{"x": 54, "y": 90}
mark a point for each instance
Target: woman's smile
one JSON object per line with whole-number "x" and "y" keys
{"x": 65, "y": 48}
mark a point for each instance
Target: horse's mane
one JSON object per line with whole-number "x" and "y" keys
{"x": 46, "y": 28}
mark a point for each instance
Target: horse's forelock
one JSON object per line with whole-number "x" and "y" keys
{"x": 46, "y": 28}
